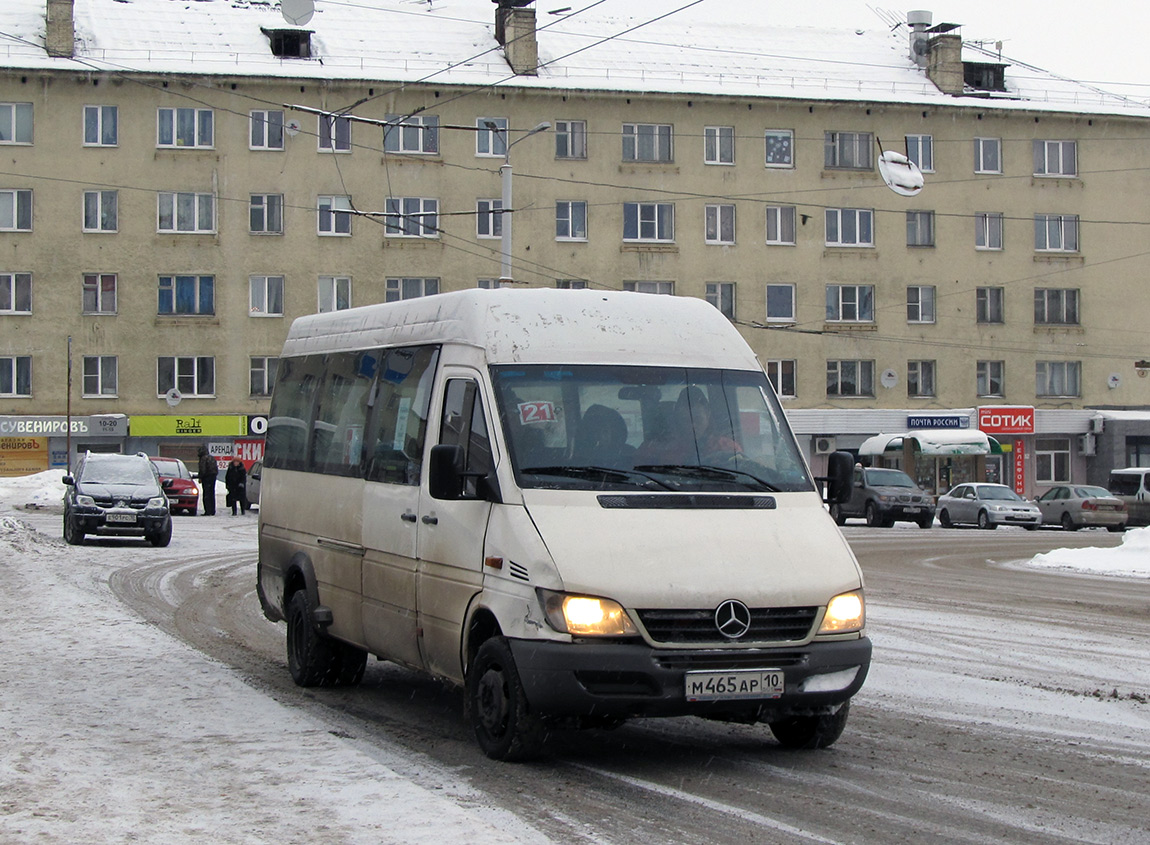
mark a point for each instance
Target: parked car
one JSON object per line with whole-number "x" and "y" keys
{"x": 118, "y": 496}
{"x": 884, "y": 496}
{"x": 1132, "y": 486}
{"x": 254, "y": 476}
{"x": 182, "y": 492}
{"x": 987, "y": 506}
{"x": 1082, "y": 506}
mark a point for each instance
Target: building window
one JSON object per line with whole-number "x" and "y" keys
{"x": 983, "y": 76}
{"x": 920, "y": 228}
{"x": 920, "y": 378}
{"x": 398, "y": 289}
{"x": 1057, "y": 378}
{"x": 1056, "y": 306}
{"x": 191, "y": 128}
{"x": 411, "y": 134}
{"x": 100, "y": 373}
{"x": 101, "y": 126}
{"x": 572, "y": 284}
{"x": 719, "y": 224}
{"x": 289, "y": 43}
{"x": 850, "y": 227}
{"x": 15, "y": 211}
{"x": 781, "y": 225}
{"x": 16, "y": 375}
{"x": 780, "y": 303}
{"x": 780, "y": 148}
{"x": 848, "y": 150}
{"x": 100, "y": 211}
{"x": 187, "y": 295}
{"x": 1052, "y": 460}
{"x": 493, "y": 284}
{"x": 334, "y": 134}
{"x": 850, "y": 304}
{"x": 334, "y": 293}
{"x": 781, "y": 373}
{"x": 987, "y": 155}
{"x": 718, "y": 145}
{"x": 489, "y": 218}
{"x": 334, "y": 218}
{"x": 570, "y": 139}
{"x": 1056, "y": 232}
{"x": 649, "y": 221}
{"x": 99, "y": 293}
{"x": 491, "y": 139}
{"x": 663, "y": 288}
{"x": 262, "y": 373}
{"x": 850, "y": 378}
{"x": 15, "y": 293}
{"x": 266, "y": 214}
{"x": 192, "y": 376}
{"x": 185, "y": 213}
{"x": 412, "y": 217}
{"x": 267, "y": 129}
{"x": 988, "y": 305}
{"x": 722, "y": 296}
{"x": 920, "y": 303}
{"x": 1055, "y": 158}
{"x": 988, "y": 230}
{"x": 920, "y": 150}
{"x": 989, "y": 378}
{"x": 647, "y": 142}
{"x": 570, "y": 220}
{"x": 266, "y": 296}
{"x": 15, "y": 123}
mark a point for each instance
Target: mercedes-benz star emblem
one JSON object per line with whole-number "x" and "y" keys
{"x": 733, "y": 619}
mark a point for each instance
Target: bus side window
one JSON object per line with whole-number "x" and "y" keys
{"x": 463, "y": 424}
{"x": 402, "y": 404}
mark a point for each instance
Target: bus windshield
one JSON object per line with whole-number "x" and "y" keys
{"x": 608, "y": 427}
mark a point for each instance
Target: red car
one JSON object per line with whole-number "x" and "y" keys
{"x": 183, "y": 493}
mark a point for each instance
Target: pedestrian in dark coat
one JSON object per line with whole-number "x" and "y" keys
{"x": 236, "y": 480}
{"x": 209, "y": 469}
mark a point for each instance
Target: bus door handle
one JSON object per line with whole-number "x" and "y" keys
{"x": 430, "y": 520}
{"x": 407, "y": 517}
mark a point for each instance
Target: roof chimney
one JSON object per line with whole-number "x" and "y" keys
{"x": 515, "y": 30}
{"x": 60, "y": 33}
{"x": 918, "y": 22}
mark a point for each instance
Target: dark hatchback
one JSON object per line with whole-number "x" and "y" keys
{"x": 116, "y": 496}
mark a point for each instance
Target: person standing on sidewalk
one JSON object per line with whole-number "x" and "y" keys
{"x": 209, "y": 469}
{"x": 236, "y": 480}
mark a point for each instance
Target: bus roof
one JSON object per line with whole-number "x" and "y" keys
{"x": 539, "y": 326}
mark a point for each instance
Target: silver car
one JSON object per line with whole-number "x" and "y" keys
{"x": 987, "y": 506}
{"x": 1077, "y": 506}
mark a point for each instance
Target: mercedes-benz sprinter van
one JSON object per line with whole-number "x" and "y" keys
{"x": 581, "y": 507}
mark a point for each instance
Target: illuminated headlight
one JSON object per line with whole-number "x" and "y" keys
{"x": 194, "y": 490}
{"x": 845, "y": 612}
{"x": 586, "y": 616}
{"x": 86, "y": 501}
{"x": 158, "y": 502}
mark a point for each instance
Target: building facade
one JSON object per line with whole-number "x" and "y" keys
{"x": 162, "y": 221}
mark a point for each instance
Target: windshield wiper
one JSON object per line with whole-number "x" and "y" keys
{"x": 703, "y": 471}
{"x": 595, "y": 472}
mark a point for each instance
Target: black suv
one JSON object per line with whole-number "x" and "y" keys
{"x": 883, "y": 496}
{"x": 116, "y": 496}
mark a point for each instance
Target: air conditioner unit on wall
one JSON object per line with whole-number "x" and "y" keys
{"x": 824, "y": 445}
{"x": 1086, "y": 444}
{"x": 1097, "y": 424}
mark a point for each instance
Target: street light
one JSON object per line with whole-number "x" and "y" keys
{"x": 505, "y": 173}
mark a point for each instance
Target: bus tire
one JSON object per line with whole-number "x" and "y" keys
{"x": 504, "y": 725}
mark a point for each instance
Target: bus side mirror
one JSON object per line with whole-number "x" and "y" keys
{"x": 840, "y": 476}
{"x": 445, "y": 472}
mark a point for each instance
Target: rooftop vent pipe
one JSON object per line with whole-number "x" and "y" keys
{"x": 919, "y": 22}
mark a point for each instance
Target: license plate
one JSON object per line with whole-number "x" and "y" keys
{"x": 724, "y": 686}
{"x": 121, "y": 517}
{"x": 911, "y": 510}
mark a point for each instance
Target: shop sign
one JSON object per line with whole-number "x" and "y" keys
{"x": 1006, "y": 419}
{"x": 916, "y": 422}
{"x": 1019, "y": 466}
{"x": 109, "y": 425}
{"x": 23, "y": 456}
{"x": 250, "y": 451}
{"x": 257, "y": 425}
{"x": 189, "y": 425}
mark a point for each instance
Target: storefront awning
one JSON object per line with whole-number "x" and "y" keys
{"x": 934, "y": 442}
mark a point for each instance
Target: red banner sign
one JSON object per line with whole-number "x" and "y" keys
{"x": 1019, "y": 466}
{"x": 1006, "y": 419}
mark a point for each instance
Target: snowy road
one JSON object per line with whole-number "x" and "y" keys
{"x": 1005, "y": 705}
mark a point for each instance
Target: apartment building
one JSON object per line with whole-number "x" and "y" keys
{"x": 177, "y": 188}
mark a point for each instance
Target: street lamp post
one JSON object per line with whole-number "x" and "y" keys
{"x": 505, "y": 212}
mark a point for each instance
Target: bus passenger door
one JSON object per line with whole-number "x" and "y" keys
{"x": 452, "y": 532}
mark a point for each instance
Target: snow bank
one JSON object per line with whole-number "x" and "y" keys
{"x": 1132, "y": 558}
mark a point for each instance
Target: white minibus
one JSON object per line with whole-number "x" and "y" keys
{"x": 581, "y": 507}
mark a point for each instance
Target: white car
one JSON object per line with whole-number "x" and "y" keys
{"x": 987, "y": 506}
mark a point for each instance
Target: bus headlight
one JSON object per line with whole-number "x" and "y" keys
{"x": 586, "y": 616}
{"x": 845, "y": 612}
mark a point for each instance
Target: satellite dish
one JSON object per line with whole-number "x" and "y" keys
{"x": 889, "y": 378}
{"x": 292, "y": 127}
{"x": 1114, "y": 381}
{"x": 297, "y": 12}
{"x": 173, "y": 397}
{"x": 900, "y": 173}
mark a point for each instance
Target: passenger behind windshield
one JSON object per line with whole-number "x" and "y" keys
{"x": 656, "y": 428}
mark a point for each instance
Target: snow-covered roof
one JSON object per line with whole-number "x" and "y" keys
{"x": 453, "y": 42}
{"x": 966, "y": 441}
